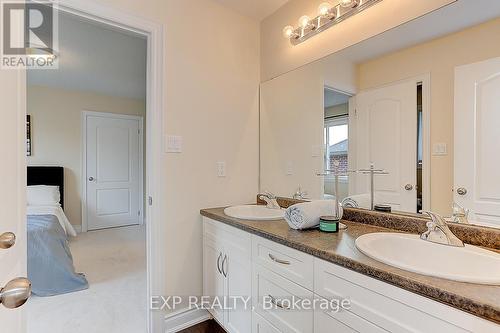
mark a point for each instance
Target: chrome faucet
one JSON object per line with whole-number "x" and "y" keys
{"x": 460, "y": 214}
{"x": 270, "y": 200}
{"x": 300, "y": 195}
{"x": 439, "y": 232}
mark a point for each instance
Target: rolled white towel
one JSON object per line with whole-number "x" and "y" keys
{"x": 360, "y": 201}
{"x": 306, "y": 215}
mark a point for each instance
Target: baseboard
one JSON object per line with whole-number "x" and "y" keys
{"x": 183, "y": 319}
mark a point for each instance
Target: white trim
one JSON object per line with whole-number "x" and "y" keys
{"x": 154, "y": 31}
{"x": 186, "y": 318}
{"x": 109, "y": 115}
{"x": 426, "y": 146}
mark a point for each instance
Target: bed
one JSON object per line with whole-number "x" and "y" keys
{"x": 50, "y": 263}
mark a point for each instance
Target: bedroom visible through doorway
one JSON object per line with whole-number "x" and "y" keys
{"x": 86, "y": 182}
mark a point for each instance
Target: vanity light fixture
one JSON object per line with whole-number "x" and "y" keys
{"x": 328, "y": 16}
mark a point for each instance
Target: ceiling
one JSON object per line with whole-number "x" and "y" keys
{"x": 256, "y": 9}
{"x": 94, "y": 57}
{"x": 452, "y": 18}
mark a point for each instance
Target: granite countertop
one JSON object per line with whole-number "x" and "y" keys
{"x": 480, "y": 300}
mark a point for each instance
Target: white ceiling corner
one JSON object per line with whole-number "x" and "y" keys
{"x": 255, "y": 9}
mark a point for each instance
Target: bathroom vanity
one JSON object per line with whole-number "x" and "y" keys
{"x": 267, "y": 259}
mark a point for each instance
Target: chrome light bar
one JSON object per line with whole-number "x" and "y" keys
{"x": 328, "y": 17}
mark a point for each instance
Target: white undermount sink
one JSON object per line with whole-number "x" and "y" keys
{"x": 254, "y": 212}
{"x": 409, "y": 252}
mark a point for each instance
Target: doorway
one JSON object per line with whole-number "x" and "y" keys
{"x": 336, "y": 142}
{"x": 153, "y": 279}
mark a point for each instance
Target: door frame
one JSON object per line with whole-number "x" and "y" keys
{"x": 109, "y": 115}
{"x": 154, "y": 32}
{"x": 425, "y": 79}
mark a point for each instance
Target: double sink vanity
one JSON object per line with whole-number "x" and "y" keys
{"x": 393, "y": 280}
{"x": 405, "y": 122}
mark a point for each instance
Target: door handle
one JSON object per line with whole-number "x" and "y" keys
{"x": 218, "y": 263}
{"x": 91, "y": 179}
{"x": 461, "y": 191}
{"x": 224, "y": 271}
{"x": 15, "y": 293}
{"x": 408, "y": 187}
{"x": 7, "y": 240}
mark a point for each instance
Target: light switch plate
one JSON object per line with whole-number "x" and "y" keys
{"x": 221, "y": 169}
{"x": 440, "y": 149}
{"x": 173, "y": 144}
{"x": 289, "y": 168}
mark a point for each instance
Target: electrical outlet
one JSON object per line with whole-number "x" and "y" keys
{"x": 221, "y": 169}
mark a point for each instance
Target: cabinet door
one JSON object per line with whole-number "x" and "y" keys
{"x": 237, "y": 268}
{"x": 213, "y": 280}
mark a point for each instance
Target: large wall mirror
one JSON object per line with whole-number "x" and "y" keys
{"x": 408, "y": 120}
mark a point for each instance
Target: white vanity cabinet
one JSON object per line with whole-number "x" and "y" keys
{"x": 227, "y": 273}
{"x": 252, "y": 265}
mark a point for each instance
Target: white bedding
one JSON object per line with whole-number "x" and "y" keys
{"x": 57, "y": 212}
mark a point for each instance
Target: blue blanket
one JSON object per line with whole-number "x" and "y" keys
{"x": 50, "y": 263}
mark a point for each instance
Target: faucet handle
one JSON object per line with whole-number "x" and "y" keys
{"x": 431, "y": 226}
{"x": 437, "y": 219}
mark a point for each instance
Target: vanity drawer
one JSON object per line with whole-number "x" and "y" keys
{"x": 383, "y": 305}
{"x": 342, "y": 322}
{"x": 260, "y": 325}
{"x": 269, "y": 286}
{"x": 287, "y": 262}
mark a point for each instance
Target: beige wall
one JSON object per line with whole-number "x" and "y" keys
{"x": 291, "y": 125}
{"x": 211, "y": 99}
{"x": 279, "y": 56}
{"x": 56, "y": 133}
{"x": 438, "y": 57}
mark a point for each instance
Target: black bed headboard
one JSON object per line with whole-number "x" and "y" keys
{"x": 47, "y": 175}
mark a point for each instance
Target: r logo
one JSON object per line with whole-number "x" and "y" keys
{"x": 28, "y": 28}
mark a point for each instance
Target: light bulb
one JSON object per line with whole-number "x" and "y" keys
{"x": 288, "y": 31}
{"x": 304, "y": 21}
{"x": 324, "y": 8}
{"x": 348, "y": 3}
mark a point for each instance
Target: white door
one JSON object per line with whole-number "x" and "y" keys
{"x": 477, "y": 140}
{"x": 383, "y": 131}
{"x": 13, "y": 260}
{"x": 113, "y": 171}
